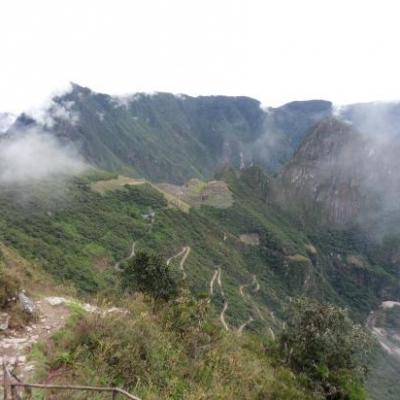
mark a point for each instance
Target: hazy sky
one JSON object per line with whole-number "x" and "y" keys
{"x": 276, "y": 51}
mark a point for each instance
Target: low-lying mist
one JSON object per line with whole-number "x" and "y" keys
{"x": 32, "y": 156}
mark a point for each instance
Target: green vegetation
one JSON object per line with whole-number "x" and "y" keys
{"x": 147, "y": 273}
{"x": 9, "y": 285}
{"x": 102, "y": 186}
{"x": 393, "y": 318}
{"x": 177, "y": 351}
{"x": 321, "y": 342}
{"x": 76, "y": 235}
{"x": 383, "y": 381}
{"x": 161, "y": 137}
{"x": 174, "y": 352}
{"x": 168, "y": 138}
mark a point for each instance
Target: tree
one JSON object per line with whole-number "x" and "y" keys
{"x": 147, "y": 273}
{"x": 321, "y": 342}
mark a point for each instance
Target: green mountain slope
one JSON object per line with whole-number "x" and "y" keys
{"x": 261, "y": 255}
{"x": 171, "y": 138}
{"x": 80, "y": 234}
{"x": 245, "y": 240}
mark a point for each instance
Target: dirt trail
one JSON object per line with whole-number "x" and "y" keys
{"x": 131, "y": 255}
{"x": 212, "y": 281}
{"x": 217, "y": 277}
{"x": 16, "y": 345}
{"x": 219, "y": 281}
{"x": 52, "y": 312}
{"x": 254, "y": 282}
{"x": 241, "y": 327}
{"x": 175, "y": 256}
{"x": 255, "y": 290}
{"x": 226, "y": 304}
{"x": 241, "y": 288}
{"x": 183, "y": 260}
{"x": 258, "y": 311}
{"x": 271, "y": 332}
{"x": 222, "y": 316}
{"x": 185, "y": 252}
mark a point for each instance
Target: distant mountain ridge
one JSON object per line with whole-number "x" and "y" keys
{"x": 172, "y": 138}
{"x": 294, "y": 231}
{"x": 328, "y": 160}
{"x": 340, "y": 175}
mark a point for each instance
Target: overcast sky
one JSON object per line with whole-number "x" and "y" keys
{"x": 276, "y": 51}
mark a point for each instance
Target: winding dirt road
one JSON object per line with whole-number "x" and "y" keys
{"x": 212, "y": 281}
{"x": 255, "y": 282}
{"x": 256, "y": 288}
{"x": 219, "y": 281}
{"x": 241, "y": 327}
{"x": 222, "y": 315}
{"x": 131, "y": 255}
{"x": 226, "y": 304}
{"x": 271, "y": 332}
{"x": 185, "y": 252}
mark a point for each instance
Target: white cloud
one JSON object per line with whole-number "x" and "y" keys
{"x": 276, "y": 51}
{"x": 33, "y": 156}
{"x": 52, "y": 110}
{"x": 6, "y": 120}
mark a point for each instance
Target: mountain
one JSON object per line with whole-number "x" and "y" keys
{"x": 375, "y": 118}
{"x": 384, "y": 322}
{"x": 340, "y": 175}
{"x": 173, "y": 138}
{"x": 174, "y": 175}
{"x": 247, "y": 257}
{"x": 287, "y": 126}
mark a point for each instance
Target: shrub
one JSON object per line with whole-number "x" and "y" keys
{"x": 147, "y": 273}
{"x": 321, "y": 342}
{"x": 9, "y": 286}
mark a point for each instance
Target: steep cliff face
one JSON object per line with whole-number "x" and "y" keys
{"x": 340, "y": 175}
{"x": 284, "y": 130}
{"x": 317, "y": 179}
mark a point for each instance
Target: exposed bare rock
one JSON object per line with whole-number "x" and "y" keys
{"x": 339, "y": 175}
{"x": 27, "y": 304}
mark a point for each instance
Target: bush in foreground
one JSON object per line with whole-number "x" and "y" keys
{"x": 321, "y": 342}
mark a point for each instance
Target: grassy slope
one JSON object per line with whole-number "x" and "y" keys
{"x": 168, "y": 138}
{"x": 173, "y": 351}
{"x": 79, "y": 234}
{"x": 161, "y": 137}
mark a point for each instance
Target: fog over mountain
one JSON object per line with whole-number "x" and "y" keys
{"x": 172, "y": 138}
{"x": 206, "y": 206}
{"x": 313, "y": 196}
{"x": 337, "y": 162}
{"x": 6, "y": 120}
{"x": 32, "y": 155}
